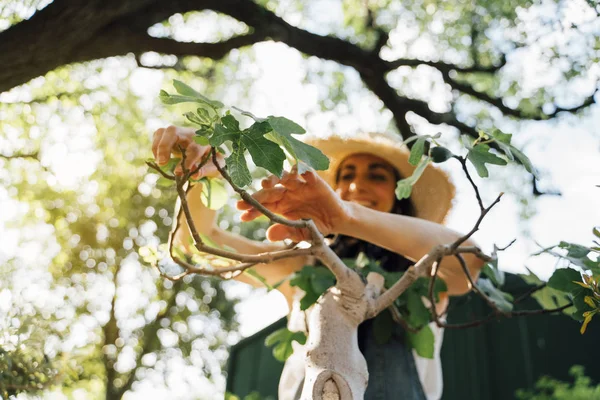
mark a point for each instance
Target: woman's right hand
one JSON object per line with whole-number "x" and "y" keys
{"x": 168, "y": 141}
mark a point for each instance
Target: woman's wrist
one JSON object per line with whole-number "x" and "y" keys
{"x": 347, "y": 220}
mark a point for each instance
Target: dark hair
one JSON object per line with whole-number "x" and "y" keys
{"x": 349, "y": 247}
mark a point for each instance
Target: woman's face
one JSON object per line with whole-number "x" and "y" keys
{"x": 367, "y": 180}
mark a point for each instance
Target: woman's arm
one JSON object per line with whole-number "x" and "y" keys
{"x": 310, "y": 197}
{"x": 412, "y": 238}
{"x": 167, "y": 141}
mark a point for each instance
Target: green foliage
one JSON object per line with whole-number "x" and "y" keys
{"x": 281, "y": 340}
{"x": 490, "y": 270}
{"x": 313, "y": 281}
{"x": 580, "y": 285}
{"x": 404, "y": 186}
{"x": 547, "y": 388}
{"x": 422, "y": 341}
{"x": 501, "y": 299}
{"x": 480, "y": 155}
{"x": 213, "y": 195}
{"x": 263, "y": 140}
{"x": 417, "y": 151}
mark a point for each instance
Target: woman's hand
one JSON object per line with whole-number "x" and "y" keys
{"x": 296, "y": 197}
{"x": 167, "y": 141}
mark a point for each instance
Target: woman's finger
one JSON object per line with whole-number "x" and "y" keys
{"x": 269, "y": 182}
{"x": 193, "y": 155}
{"x": 292, "y": 180}
{"x": 156, "y": 141}
{"x": 167, "y": 142}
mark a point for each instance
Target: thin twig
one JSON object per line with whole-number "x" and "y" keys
{"x": 160, "y": 171}
{"x": 252, "y": 201}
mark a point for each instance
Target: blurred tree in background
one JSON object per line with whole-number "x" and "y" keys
{"x": 80, "y": 306}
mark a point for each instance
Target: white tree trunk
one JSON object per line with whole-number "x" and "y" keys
{"x": 335, "y": 367}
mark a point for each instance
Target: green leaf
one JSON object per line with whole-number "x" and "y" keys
{"x": 574, "y": 250}
{"x": 491, "y": 271}
{"x": 480, "y": 155}
{"x": 501, "y": 299}
{"x": 186, "y": 90}
{"x": 596, "y": 232}
{"x": 563, "y": 280}
{"x": 503, "y": 141}
{"x": 264, "y": 153}
{"x": 418, "y": 313}
{"x": 284, "y": 126}
{"x": 404, "y": 186}
{"x": 237, "y": 167}
{"x": 227, "y": 130}
{"x": 548, "y": 298}
{"x": 283, "y": 129}
{"x": 422, "y": 341}
{"x": 201, "y": 140}
{"x": 213, "y": 194}
{"x": 313, "y": 281}
{"x": 282, "y": 340}
{"x": 383, "y": 325}
{"x": 439, "y": 154}
{"x": 416, "y": 152}
{"x": 193, "y": 118}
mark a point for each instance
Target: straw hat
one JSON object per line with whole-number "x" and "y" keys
{"x": 431, "y": 195}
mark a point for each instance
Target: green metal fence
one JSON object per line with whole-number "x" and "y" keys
{"x": 490, "y": 361}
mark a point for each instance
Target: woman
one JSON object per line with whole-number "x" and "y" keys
{"x": 354, "y": 201}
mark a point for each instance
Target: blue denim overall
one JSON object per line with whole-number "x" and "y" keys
{"x": 392, "y": 371}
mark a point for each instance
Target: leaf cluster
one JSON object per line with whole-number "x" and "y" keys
{"x": 578, "y": 283}
{"x": 426, "y": 149}
{"x": 266, "y": 140}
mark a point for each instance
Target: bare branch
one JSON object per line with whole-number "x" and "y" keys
{"x": 513, "y": 112}
{"x": 33, "y": 156}
{"x": 445, "y": 67}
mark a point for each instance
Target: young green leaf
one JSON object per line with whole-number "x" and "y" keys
{"x": 493, "y": 273}
{"x": 237, "y": 167}
{"x": 227, "y": 130}
{"x": 501, "y": 299}
{"x": 503, "y": 141}
{"x": 417, "y": 151}
{"x": 404, "y": 186}
{"x": 282, "y": 340}
{"x": 480, "y": 155}
{"x": 264, "y": 153}
{"x": 418, "y": 313}
{"x": 193, "y": 118}
{"x": 313, "y": 281}
{"x": 186, "y": 90}
{"x": 422, "y": 341}
{"x": 283, "y": 129}
{"x": 563, "y": 279}
{"x": 213, "y": 195}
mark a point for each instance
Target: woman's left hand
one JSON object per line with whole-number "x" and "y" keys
{"x": 295, "y": 196}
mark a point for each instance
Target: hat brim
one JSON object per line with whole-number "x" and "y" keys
{"x": 431, "y": 195}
